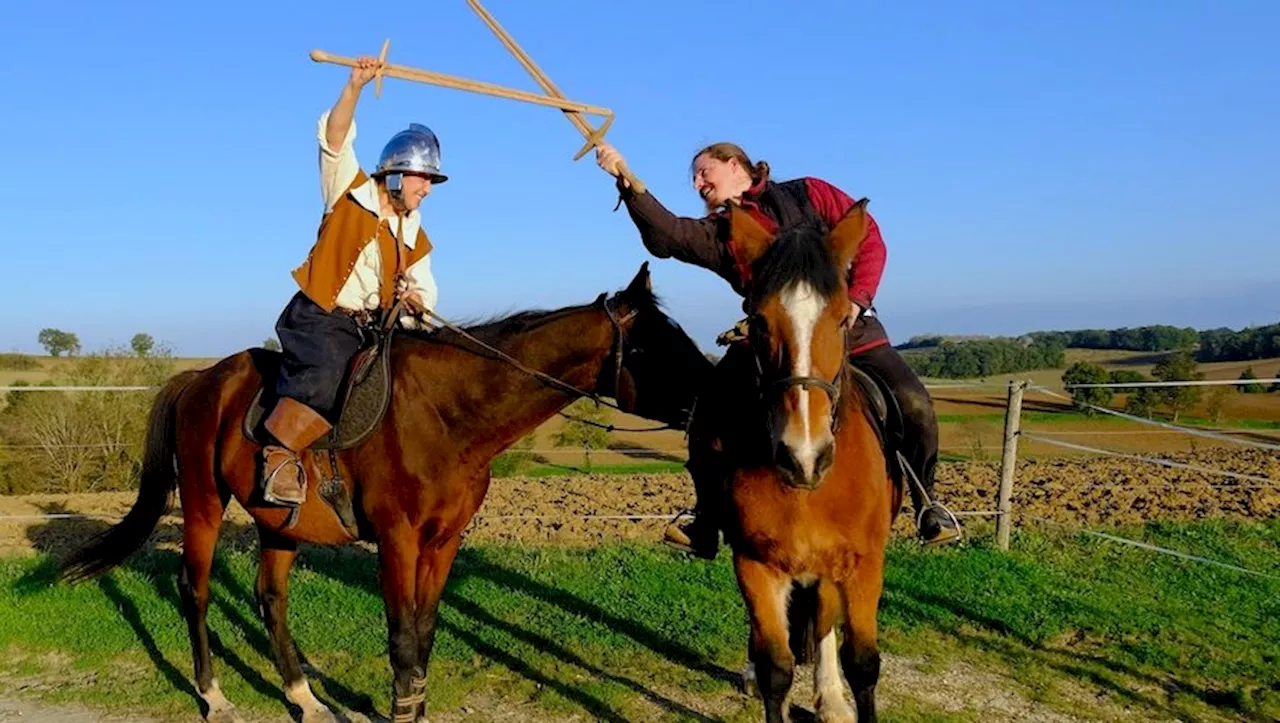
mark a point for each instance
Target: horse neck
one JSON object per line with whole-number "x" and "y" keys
{"x": 491, "y": 403}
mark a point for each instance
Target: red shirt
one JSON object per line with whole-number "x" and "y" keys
{"x": 705, "y": 241}
{"x": 832, "y": 204}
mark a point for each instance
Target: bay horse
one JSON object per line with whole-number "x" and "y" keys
{"x": 417, "y": 480}
{"x": 810, "y": 495}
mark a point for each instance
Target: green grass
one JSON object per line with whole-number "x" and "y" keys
{"x": 630, "y": 632}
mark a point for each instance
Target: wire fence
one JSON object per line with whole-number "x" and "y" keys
{"x": 1004, "y": 514}
{"x": 1016, "y": 391}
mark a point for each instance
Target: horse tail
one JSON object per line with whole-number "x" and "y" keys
{"x": 802, "y": 622}
{"x": 159, "y": 478}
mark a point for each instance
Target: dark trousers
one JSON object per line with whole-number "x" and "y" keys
{"x": 728, "y": 408}
{"x": 920, "y": 422}
{"x": 317, "y": 347}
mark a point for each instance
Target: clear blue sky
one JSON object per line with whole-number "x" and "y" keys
{"x": 1031, "y": 164}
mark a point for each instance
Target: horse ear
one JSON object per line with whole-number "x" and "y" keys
{"x": 642, "y": 283}
{"x": 847, "y": 236}
{"x": 600, "y": 300}
{"x": 748, "y": 235}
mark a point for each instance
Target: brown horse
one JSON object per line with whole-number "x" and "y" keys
{"x": 418, "y": 479}
{"x": 810, "y": 497}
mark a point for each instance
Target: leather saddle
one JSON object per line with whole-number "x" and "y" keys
{"x": 364, "y": 396}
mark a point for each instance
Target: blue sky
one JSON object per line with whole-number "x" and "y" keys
{"x": 1032, "y": 165}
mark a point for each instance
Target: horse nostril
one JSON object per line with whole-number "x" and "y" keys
{"x": 783, "y": 458}
{"x": 826, "y": 457}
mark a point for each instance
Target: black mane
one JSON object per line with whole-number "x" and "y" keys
{"x": 799, "y": 254}
{"x": 495, "y": 329}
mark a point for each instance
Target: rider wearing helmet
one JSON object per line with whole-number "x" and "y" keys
{"x": 723, "y": 174}
{"x": 370, "y": 252}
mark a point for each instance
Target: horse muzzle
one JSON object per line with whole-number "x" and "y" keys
{"x": 805, "y": 467}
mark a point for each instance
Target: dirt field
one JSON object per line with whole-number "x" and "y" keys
{"x": 568, "y": 510}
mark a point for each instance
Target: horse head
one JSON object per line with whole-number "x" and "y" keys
{"x": 656, "y": 369}
{"x": 799, "y": 311}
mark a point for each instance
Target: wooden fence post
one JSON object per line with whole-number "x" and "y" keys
{"x": 1009, "y": 461}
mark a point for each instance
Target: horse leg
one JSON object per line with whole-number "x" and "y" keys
{"x": 860, "y": 651}
{"x": 433, "y": 573}
{"x": 272, "y": 592}
{"x": 828, "y": 687}
{"x": 766, "y": 593}
{"x": 202, "y": 509}
{"x": 398, "y": 554}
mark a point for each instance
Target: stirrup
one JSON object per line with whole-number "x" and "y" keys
{"x": 286, "y": 501}
{"x": 959, "y": 531}
{"x": 931, "y": 504}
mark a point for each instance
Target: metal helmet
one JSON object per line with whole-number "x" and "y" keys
{"x": 414, "y": 150}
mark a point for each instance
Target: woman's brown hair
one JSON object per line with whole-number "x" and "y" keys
{"x": 724, "y": 151}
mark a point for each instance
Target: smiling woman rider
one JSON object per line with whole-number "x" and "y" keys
{"x": 724, "y": 175}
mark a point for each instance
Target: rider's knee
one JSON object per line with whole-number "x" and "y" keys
{"x": 917, "y": 407}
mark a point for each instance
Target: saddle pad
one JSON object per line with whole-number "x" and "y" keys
{"x": 367, "y": 395}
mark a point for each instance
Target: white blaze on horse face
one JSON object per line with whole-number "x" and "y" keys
{"x": 804, "y": 307}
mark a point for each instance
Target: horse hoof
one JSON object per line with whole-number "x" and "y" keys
{"x": 839, "y": 713}
{"x": 319, "y": 715}
{"x": 749, "y": 686}
{"x": 224, "y": 715}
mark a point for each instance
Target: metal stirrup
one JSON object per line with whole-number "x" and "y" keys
{"x": 930, "y": 503}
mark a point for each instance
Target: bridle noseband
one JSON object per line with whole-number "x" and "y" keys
{"x": 619, "y": 342}
{"x": 778, "y": 387}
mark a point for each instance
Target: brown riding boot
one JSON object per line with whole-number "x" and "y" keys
{"x": 295, "y": 426}
{"x": 699, "y": 537}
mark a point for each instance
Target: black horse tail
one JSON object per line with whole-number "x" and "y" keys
{"x": 159, "y": 478}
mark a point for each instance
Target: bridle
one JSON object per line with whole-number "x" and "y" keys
{"x": 778, "y": 387}
{"x": 617, "y": 350}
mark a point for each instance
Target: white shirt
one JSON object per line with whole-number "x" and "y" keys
{"x": 360, "y": 291}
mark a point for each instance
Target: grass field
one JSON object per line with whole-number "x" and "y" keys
{"x": 630, "y": 632}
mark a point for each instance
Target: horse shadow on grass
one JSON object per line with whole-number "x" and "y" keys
{"x": 983, "y": 632}
{"x": 356, "y": 567}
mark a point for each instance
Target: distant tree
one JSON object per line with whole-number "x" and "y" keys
{"x": 1250, "y": 388}
{"x": 57, "y": 342}
{"x": 584, "y": 434}
{"x": 142, "y": 344}
{"x": 1217, "y": 402}
{"x": 1127, "y": 376}
{"x": 271, "y": 344}
{"x": 1088, "y": 373}
{"x": 1142, "y": 402}
{"x": 1178, "y": 367}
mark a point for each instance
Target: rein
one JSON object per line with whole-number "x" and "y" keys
{"x": 559, "y": 384}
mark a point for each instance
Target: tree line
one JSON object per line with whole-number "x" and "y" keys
{"x": 966, "y": 357}
{"x": 986, "y": 357}
{"x": 1147, "y": 401}
{"x": 1209, "y": 345}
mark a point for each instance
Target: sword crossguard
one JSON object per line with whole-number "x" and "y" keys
{"x": 382, "y": 66}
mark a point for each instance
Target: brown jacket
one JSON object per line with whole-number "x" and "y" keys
{"x": 344, "y": 233}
